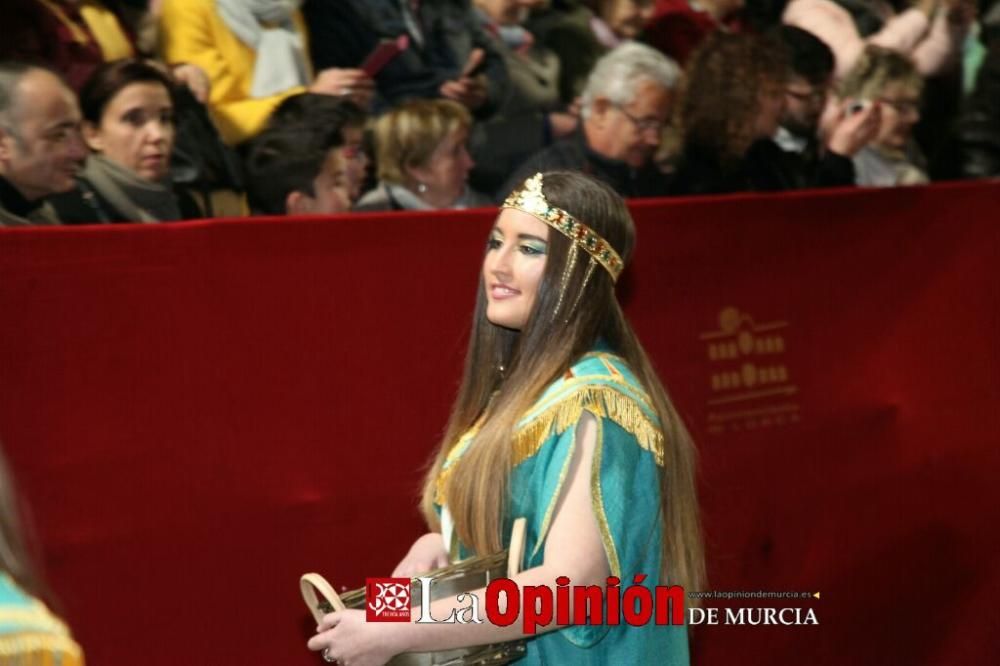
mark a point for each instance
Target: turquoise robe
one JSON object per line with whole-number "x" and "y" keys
{"x": 625, "y": 491}
{"x": 29, "y": 633}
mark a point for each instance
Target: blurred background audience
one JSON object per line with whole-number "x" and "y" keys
{"x": 532, "y": 115}
{"x": 128, "y": 124}
{"x": 931, "y": 32}
{"x": 448, "y": 53}
{"x": 977, "y": 138}
{"x": 625, "y": 107}
{"x": 255, "y": 53}
{"x": 581, "y": 31}
{"x": 731, "y": 108}
{"x": 75, "y": 37}
{"x": 815, "y": 156}
{"x": 678, "y": 27}
{"x": 309, "y": 160}
{"x": 891, "y": 80}
{"x": 417, "y": 104}
{"x": 422, "y": 158}
{"x": 40, "y": 146}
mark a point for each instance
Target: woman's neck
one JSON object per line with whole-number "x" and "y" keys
{"x": 430, "y": 197}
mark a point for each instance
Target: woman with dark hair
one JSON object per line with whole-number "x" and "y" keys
{"x": 128, "y": 124}
{"x": 29, "y": 632}
{"x": 560, "y": 419}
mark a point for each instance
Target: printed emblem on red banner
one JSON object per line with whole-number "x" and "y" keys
{"x": 388, "y": 599}
{"x": 751, "y": 383}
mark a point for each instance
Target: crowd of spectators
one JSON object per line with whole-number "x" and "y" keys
{"x": 157, "y": 110}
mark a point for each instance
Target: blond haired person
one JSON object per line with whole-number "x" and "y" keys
{"x": 422, "y": 159}
{"x": 891, "y": 81}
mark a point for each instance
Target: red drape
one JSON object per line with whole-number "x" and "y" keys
{"x": 200, "y": 412}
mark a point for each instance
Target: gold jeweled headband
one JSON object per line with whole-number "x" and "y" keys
{"x": 531, "y": 200}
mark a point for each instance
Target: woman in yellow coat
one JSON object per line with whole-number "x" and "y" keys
{"x": 255, "y": 54}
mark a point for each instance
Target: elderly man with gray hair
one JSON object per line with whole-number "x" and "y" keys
{"x": 625, "y": 106}
{"x": 41, "y": 149}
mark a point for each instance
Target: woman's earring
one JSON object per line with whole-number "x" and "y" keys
{"x": 421, "y": 188}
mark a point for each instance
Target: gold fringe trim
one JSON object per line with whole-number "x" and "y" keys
{"x": 600, "y": 399}
{"x": 603, "y": 402}
{"x": 32, "y": 649}
{"x": 36, "y": 615}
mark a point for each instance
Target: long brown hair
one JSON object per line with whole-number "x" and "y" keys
{"x": 506, "y": 371}
{"x": 15, "y": 556}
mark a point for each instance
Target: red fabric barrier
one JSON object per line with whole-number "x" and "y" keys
{"x": 200, "y": 412}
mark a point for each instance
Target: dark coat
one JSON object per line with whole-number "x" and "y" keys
{"x": 764, "y": 168}
{"x": 344, "y": 32}
{"x": 85, "y": 205}
{"x": 573, "y": 154}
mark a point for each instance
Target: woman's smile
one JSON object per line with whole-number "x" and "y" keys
{"x": 499, "y": 292}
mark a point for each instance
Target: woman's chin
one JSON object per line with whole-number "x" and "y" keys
{"x": 503, "y": 322}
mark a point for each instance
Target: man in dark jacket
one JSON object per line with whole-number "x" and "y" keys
{"x": 625, "y": 107}
{"x": 805, "y": 161}
{"x": 448, "y": 55}
{"x": 41, "y": 149}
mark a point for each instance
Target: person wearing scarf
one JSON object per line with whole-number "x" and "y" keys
{"x": 423, "y": 162}
{"x": 255, "y": 53}
{"x": 532, "y": 115}
{"x": 128, "y": 124}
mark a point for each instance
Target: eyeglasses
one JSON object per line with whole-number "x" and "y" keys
{"x": 903, "y": 106}
{"x": 642, "y": 124}
{"x": 816, "y": 95}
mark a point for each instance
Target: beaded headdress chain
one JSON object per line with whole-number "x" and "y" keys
{"x": 531, "y": 200}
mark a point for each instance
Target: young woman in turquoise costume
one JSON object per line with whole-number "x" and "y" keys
{"x": 560, "y": 419}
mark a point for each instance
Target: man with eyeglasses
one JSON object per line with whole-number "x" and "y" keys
{"x": 625, "y": 107}
{"x": 41, "y": 149}
{"x": 806, "y": 93}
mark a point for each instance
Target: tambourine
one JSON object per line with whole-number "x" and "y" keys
{"x": 465, "y": 576}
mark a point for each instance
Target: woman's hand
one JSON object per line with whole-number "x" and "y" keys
{"x": 854, "y": 131}
{"x": 468, "y": 91}
{"x": 195, "y": 78}
{"x": 426, "y": 554}
{"x": 347, "y": 638}
{"x": 351, "y": 83}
